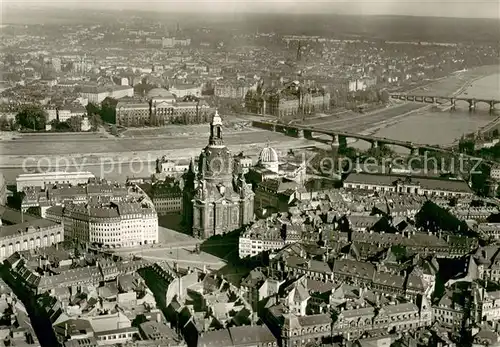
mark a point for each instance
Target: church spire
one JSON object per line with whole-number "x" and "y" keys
{"x": 216, "y": 130}
{"x": 192, "y": 165}
{"x": 216, "y": 119}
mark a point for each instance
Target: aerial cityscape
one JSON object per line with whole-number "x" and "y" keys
{"x": 250, "y": 174}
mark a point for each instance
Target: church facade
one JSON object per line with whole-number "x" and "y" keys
{"x": 215, "y": 200}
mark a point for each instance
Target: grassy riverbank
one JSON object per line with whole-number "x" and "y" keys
{"x": 455, "y": 83}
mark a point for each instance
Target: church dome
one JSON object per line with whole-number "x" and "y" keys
{"x": 216, "y": 161}
{"x": 268, "y": 155}
{"x": 160, "y": 93}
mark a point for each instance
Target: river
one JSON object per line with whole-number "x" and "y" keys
{"x": 422, "y": 126}
{"x": 429, "y": 126}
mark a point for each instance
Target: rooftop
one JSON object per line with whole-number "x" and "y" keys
{"x": 26, "y": 227}
{"x": 430, "y": 183}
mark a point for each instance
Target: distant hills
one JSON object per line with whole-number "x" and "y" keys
{"x": 327, "y": 25}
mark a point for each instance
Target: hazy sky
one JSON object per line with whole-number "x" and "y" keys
{"x": 445, "y": 8}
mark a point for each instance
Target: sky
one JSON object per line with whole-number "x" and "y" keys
{"x": 442, "y": 8}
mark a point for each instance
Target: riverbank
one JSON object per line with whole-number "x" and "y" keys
{"x": 107, "y": 159}
{"x": 455, "y": 83}
{"x": 393, "y": 121}
{"x": 145, "y": 145}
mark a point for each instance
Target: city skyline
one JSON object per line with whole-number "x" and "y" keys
{"x": 443, "y": 8}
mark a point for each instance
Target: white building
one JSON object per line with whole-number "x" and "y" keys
{"x": 181, "y": 91}
{"x": 261, "y": 237}
{"x": 46, "y": 178}
{"x": 172, "y": 168}
{"x": 169, "y": 42}
{"x": 123, "y": 224}
{"x": 95, "y": 94}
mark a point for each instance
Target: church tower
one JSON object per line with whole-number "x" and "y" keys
{"x": 216, "y": 161}
{"x": 214, "y": 204}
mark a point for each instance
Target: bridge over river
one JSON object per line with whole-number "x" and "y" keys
{"x": 308, "y": 132}
{"x": 452, "y": 100}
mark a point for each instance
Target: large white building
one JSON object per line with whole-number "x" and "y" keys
{"x": 181, "y": 91}
{"x": 56, "y": 177}
{"x": 123, "y": 224}
{"x": 98, "y": 212}
{"x": 95, "y": 94}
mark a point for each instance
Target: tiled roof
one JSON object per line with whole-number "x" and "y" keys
{"x": 26, "y": 227}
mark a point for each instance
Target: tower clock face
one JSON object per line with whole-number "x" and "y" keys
{"x": 215, "y": 165}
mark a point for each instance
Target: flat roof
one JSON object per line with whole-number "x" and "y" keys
{"x": 56, "y": 174}
{"x": 431, "y": 183}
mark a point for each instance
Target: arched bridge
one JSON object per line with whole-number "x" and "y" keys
{"x": 308, "y": 132}
{"x": 432, "y": 99}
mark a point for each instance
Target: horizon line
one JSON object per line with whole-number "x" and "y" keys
{"x": 19, "y": 6}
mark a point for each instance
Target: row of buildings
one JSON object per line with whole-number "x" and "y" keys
{"x": 406, "y": 184}
{"x": 29, "y": 236}
{"x": 291, "y": 99}
{"x": 162, "y": 108}
{"x": 92, "y": 211}
{"x": 96, "y": 94}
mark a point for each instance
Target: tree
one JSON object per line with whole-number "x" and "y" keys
{"x": 92, "y": 109}
{"x": 384, "y": 96}
{"x": 59, "y": 126}
{"x": 75, "y": 123}
{"x": 108, "y": 110}
{"x": 32, "y": 117}
{"x": 95, "y": 121}
{"x": 4, "y": 123}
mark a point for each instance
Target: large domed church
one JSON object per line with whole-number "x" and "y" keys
{"x": 215, "y": 200}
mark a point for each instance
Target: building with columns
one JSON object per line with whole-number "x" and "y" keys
{"x": 289, "y": 99}
{"x": 215, "y": 200}
{"x": 29, "y": 236}
{"x": 406, "y": 184}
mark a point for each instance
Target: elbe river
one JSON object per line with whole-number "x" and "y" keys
{"x": 423, "y": 127}
{"x": 433, "y": 126}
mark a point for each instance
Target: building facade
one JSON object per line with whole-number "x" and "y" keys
{"x": 408, "y": 185}
{"x": 232, "y": 89}
{"x": 260, "y": 237}
{"x": 29, "y": 236}
{"x": 97, "y": 94}
{"x": 132, "y": 114}
{"x": 215, "y": 201}
{"x": 166, "y": 195}
{"x": 111, "y": 225}
{"x": 162, "y": 108}
{"x": 398, "y": 318}
{"x": 288, "y": 100}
